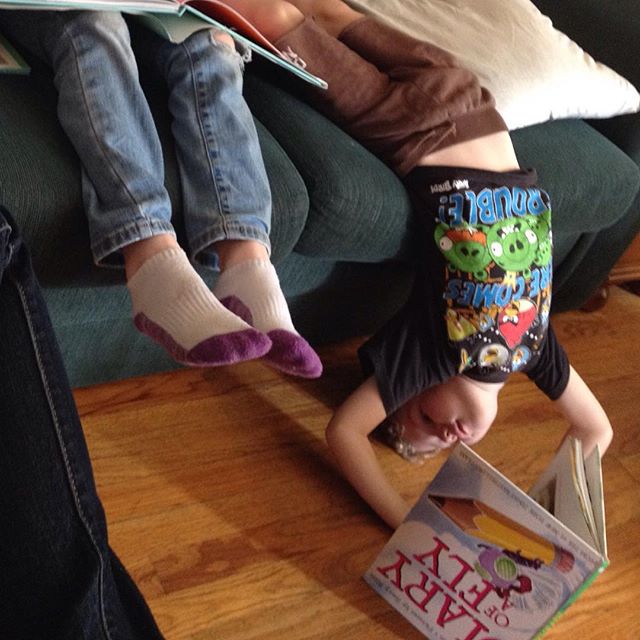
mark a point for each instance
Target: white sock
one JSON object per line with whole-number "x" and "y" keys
{"x": 173, "y": 305}
{"x": 255, "y": 283}
{"x": 252, "y": 290}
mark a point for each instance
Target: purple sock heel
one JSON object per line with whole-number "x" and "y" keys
{"x": 289, "y": 352}
{"x": 239, "y": 308}
{"x": 227, "y": 348}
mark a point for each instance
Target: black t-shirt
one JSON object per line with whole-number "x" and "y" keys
{"x": 481, "y": 299}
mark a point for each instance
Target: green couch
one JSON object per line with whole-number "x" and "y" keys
{"x": 342, "y": 225}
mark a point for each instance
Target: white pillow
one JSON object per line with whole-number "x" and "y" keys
{"x": 535, "y": 72}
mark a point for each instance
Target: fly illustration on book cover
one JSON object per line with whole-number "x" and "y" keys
{"x": 478, "y": 559}
{"x": 510, "y": 556}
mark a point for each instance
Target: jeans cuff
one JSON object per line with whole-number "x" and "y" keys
{"x": 203, "y": 253}
{"x": 106, "y": 251}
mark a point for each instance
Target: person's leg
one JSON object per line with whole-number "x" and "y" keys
{"x": 334, "y": 16}
{"x": 106, "y": 116}
{"x": 269, "y": 16}
{"x": 59, "y": 580}
{"x": 227, "y": 199}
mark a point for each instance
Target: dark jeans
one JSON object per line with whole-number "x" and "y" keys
{"x": 58, "y": 577}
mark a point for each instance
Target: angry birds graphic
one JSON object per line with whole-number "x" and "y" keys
{"x": 485, "y": 321}
{"x": 493, "y": 356}
{"x": 514, "y": 321}
{"x": 458, "y": 327}
{"x": 494, "y": 251}
{"x": 466, "y": 361}
{"x": 513, "y": 245}
{"x": 465, "y": 249}
{"x": 542, "y": 228}
{"x": 545, "y": 309}
{"x": 521, "y": 355}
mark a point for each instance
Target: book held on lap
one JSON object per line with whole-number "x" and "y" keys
{"x": 479, "y": 559}
{"x": 177, "y": 19}
{"x": 10, "y": 59}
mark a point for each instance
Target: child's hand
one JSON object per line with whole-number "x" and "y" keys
{"x": 589, "y": 422}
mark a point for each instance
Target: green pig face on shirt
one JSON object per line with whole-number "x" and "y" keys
{"x": 513, "y": 244}
{"x": 542, "y": 226}
{"x": 465, "y": 248}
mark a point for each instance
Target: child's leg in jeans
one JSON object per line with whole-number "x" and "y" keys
{"x": 106, "y": 116}
{"x": 227, "y": 199}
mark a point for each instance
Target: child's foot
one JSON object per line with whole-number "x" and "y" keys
{"x": 252, "y": 291}
{"x": 173, "y": 306}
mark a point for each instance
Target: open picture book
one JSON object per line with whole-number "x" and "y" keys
{"x": 178, "y": 19}
{"x": 479, "y": 559}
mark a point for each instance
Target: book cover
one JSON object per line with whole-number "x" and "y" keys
{"x": 128, "y": 6}
{"x": 10, "y": 60}
{"x": 478, "y": 559}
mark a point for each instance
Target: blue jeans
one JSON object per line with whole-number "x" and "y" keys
{"x": 59, "y": 578}
{"x": 105, "y": 114}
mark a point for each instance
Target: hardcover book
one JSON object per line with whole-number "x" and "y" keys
{"x": 479, "y": 559}
{"x": 177, "y": 19}
{"x": 10, "y": 59}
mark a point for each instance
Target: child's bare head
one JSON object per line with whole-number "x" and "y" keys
{"x": 460, "y": 409}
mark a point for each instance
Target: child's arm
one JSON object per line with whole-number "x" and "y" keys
{"x": 348, "y": 438}
{"x": 588, "y": 421}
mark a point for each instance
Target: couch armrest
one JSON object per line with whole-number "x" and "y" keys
{"x": 610, "y": 32}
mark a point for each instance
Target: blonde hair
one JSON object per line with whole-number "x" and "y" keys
{"x": 391, "y": 433}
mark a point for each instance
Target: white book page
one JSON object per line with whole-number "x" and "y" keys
{"x": 162, "y": 6}
{"x": 174, "y": 28}
{"x": 593, "y": 472}
{"x": 562, "y": 490}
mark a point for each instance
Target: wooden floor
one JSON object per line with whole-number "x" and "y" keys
{"x": 225, "y": 506}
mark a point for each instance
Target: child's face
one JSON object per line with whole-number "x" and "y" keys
{"x": 460, "y": 409}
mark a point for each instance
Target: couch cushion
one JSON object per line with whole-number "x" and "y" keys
{"x": 359, "y": 209}
{"x": 591, "y": 182}
{"x": 593, "y": 185}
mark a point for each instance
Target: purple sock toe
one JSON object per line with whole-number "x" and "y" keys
{"x": 293, "y": 354}
{"x": 289, "y": 352}
{"x": 227, "y": 348}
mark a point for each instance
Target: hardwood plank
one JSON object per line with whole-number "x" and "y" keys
{"x": 225, "y": 505}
